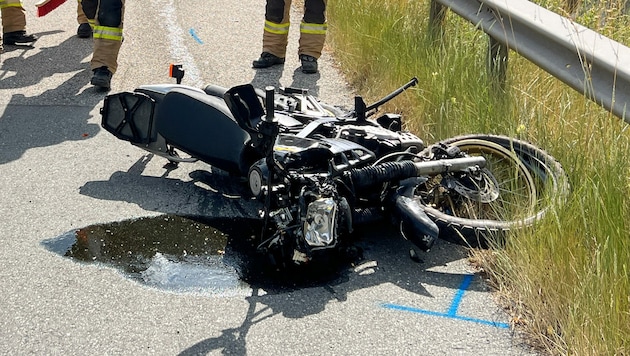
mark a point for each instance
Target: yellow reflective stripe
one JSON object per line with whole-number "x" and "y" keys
{"x": 10, "y": 3}
{"x": 92, "y": 22}
{"x": 313, "y": 28}
{"x": 277, "y": 28}
{"x": 108, "y": 33}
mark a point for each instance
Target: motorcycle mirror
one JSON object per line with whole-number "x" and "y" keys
{"x": 359, "y": 108}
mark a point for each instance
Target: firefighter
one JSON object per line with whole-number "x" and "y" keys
{"x": 14, "y": 23}
{"x": 276, "y": 34}
{"x": 84, "y": 30}
{"x": 106, "y": 18}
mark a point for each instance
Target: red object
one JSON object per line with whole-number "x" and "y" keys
{"x": 46, "y": 6}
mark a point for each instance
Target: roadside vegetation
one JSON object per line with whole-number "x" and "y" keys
{"x": 566, "y": 282}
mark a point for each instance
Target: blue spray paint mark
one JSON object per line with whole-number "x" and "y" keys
{"x": 452, "y": 310}
{"x": 459, "y": 295}
{"x": 194, "y": 36}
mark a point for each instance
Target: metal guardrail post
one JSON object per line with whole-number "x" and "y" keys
{"x": 437, "y": 14}
{"x": 592, "y": 64}
{"x": 497, "y": 57}
{"x": 497, "y": 61}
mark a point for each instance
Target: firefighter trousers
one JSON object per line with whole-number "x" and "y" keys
{"x": 312, "y": 28}
{"x": 81, "y": 18}
{"x": 106, "y": 18}
{"x": 13, "y": 16}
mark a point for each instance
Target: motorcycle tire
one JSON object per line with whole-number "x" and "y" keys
{"x": 536, "y": 183}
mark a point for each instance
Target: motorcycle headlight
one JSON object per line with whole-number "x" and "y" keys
{"x": 319, "y": 226}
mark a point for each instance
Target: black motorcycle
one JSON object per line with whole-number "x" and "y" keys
{"x": 318, "y": 170}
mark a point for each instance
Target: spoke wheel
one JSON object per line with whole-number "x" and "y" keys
{"x": 512, "y": 191}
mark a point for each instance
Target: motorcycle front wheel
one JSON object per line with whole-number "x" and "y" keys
{"x": 516, "y": 188}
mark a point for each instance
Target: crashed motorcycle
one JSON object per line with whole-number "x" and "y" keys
{"x": 318, "y": 170}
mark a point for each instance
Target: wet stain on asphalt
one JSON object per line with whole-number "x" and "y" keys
{"x": 169, "y": 252}
{"x": 189, "y": 254}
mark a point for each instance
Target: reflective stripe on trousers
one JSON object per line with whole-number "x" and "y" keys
{"x": 106, "y": 18}
{"x": 312, "y": 29}
{"x": 13, "y": 16}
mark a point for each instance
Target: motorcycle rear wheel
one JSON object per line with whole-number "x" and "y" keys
{"x": 529, "y": 181}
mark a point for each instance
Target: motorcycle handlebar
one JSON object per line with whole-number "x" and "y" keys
{"x": 449, "y": 165}
{"x": 390, "y": 171}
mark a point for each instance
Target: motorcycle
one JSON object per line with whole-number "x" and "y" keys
{"x": 319, "y": 171}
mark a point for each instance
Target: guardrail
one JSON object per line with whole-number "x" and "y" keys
{"x": 588, "y": 62}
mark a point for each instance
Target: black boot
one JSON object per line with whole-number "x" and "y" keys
{"x": 18, "y": 37}
{"x": 309, "y": 64}
{"x": 84, "y": 30}
{"x": 102, "y": 78}
{"x": 267, "y": 60}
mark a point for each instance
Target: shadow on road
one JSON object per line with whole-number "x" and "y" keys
{"x": 207, "y": 194}
{"x": 271, "y": 77}
{"x": 384, "y": 259}
{"x": 28, "y": 121}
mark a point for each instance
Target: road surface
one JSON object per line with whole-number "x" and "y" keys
{"x": 60, "y": 172}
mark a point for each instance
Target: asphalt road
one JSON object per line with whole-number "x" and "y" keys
{"x": 59, "y": 172}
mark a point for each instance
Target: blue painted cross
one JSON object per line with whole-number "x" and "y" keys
{"x": 452, "y": 310}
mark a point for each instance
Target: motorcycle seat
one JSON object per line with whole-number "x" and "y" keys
{"x": 203, "y": 126}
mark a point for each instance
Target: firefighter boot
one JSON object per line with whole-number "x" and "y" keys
{"x": 267, "y": 60}
{"x": 84, "y": 30}
{"x": 18, "y": 37}
{"x": 102, "y": 78}
{"x": 309, "y": 64}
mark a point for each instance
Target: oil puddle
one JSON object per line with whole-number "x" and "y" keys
{"x": 197, "y": 255}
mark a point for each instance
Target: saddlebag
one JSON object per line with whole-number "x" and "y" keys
{"x": 129, "y": 116}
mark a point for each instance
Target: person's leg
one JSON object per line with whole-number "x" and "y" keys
{"x": 108, "y": 37}
{"x": 14, "y": 23}
{"x": 85, "y": 29}
{"x": 312, "y": 34}
{"x": 275, "y": 34}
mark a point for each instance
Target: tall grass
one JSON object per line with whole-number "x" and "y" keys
{"x": 566, "y": 281}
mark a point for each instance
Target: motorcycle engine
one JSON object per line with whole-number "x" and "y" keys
{"x": 312, "y": 156}
{"x": 309, "y": 214}
{"x": 324, "y": 219}
{"x": 304, "y": 203}
{"x": 380, "y": 140}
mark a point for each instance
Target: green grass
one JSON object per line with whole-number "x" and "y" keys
{"x": 567, "y": 280}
